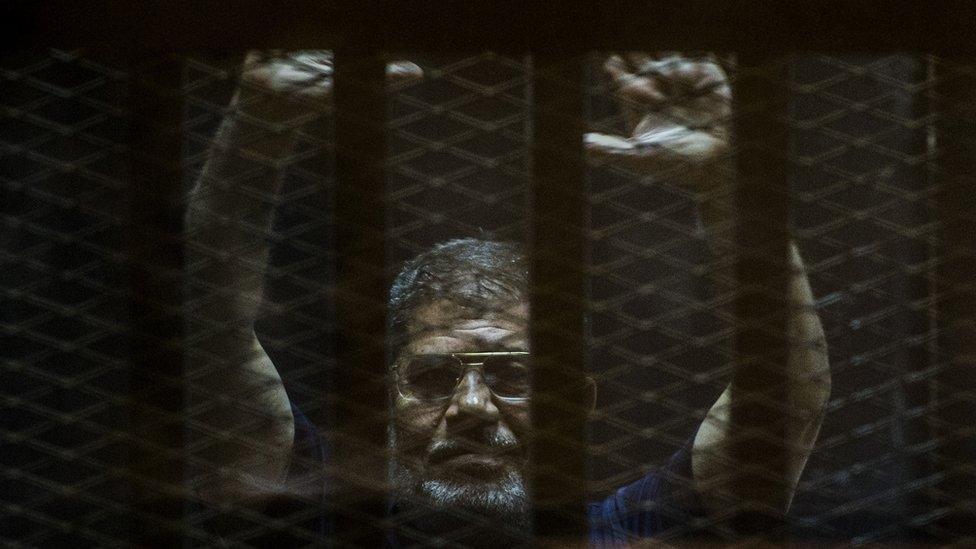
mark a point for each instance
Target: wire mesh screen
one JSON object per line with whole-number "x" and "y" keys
{"x": 865, "y": 221}
{"x": 64, "y": 311}
{"x": 251, "y": 422}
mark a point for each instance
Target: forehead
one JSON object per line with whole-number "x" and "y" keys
{"x": 445, "y": 325}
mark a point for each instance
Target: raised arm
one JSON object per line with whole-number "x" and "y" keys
{"x": 678, "y": 113}
{"x": 241, "y": 423}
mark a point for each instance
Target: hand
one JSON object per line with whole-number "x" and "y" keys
{"x": 281, "y": 87}
{"x": 677, "y": 113}
{"x": 671, "y": 90}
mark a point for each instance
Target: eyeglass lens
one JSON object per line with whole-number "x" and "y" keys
{"x": 436, "y": 376}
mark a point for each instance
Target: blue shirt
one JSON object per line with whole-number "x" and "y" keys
{"x": 658, "y": 505}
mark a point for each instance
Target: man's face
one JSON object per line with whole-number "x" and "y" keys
{"x": 468, "y": 450}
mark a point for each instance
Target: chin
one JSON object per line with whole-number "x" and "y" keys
{"x": 503, "y": 497}
{"x": 498, "y": 497}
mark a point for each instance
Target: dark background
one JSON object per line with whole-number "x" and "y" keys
{"x": 457, "y": 167}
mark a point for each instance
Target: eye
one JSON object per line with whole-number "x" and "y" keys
{"x": 431, "y": 376}
{"x": 508, "y": 376}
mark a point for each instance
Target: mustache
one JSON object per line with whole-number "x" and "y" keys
{"x": 496, "y": 444}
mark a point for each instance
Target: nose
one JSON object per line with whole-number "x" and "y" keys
{"x": 472, "y": 398}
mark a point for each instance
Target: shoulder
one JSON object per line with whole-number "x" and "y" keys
{"x": 659, "y": 501}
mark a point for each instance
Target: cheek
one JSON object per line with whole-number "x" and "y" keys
{"x": 518, "y": 419}
{"x": 416, "y": 423}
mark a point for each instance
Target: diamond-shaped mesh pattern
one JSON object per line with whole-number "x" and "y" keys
{"x": 64, "y": 311}
{"x": 876, "y": 147}
{"x": 866, "y": 224}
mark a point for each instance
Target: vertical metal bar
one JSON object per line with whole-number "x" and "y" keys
{"x": 558, "y": 283}
{"x": 762, "y": 270}
{"x": 156, "y": 254}
{"x": 954, "y": 100}
{"x": 928, "y": 499}
{"x": 919, "y": 288}
{"x": 362, "y": 413}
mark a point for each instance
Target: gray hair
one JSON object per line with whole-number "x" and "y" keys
{"x": 474, "y": 273}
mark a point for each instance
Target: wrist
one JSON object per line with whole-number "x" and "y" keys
{"x": 256, "y": 135}
{"x": 275, "y": 109}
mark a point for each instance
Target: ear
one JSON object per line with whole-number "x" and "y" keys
{"x": 591, "y": 392}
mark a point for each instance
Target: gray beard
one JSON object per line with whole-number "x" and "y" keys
{"x": 486, "y": 514}
{"x": 503, "y": 499}
{"x": 500, "y": 504}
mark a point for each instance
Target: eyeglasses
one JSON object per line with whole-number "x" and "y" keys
{"x": 435, "y": 377}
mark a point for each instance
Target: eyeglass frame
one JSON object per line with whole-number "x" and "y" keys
{"x": 460, "y": 356}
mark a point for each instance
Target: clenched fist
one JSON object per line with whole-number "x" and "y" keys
{"x": 290, "y": 87}
{"x": 677, "y": 113}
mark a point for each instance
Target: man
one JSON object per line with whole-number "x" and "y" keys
{"x": 459, "y": 325}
